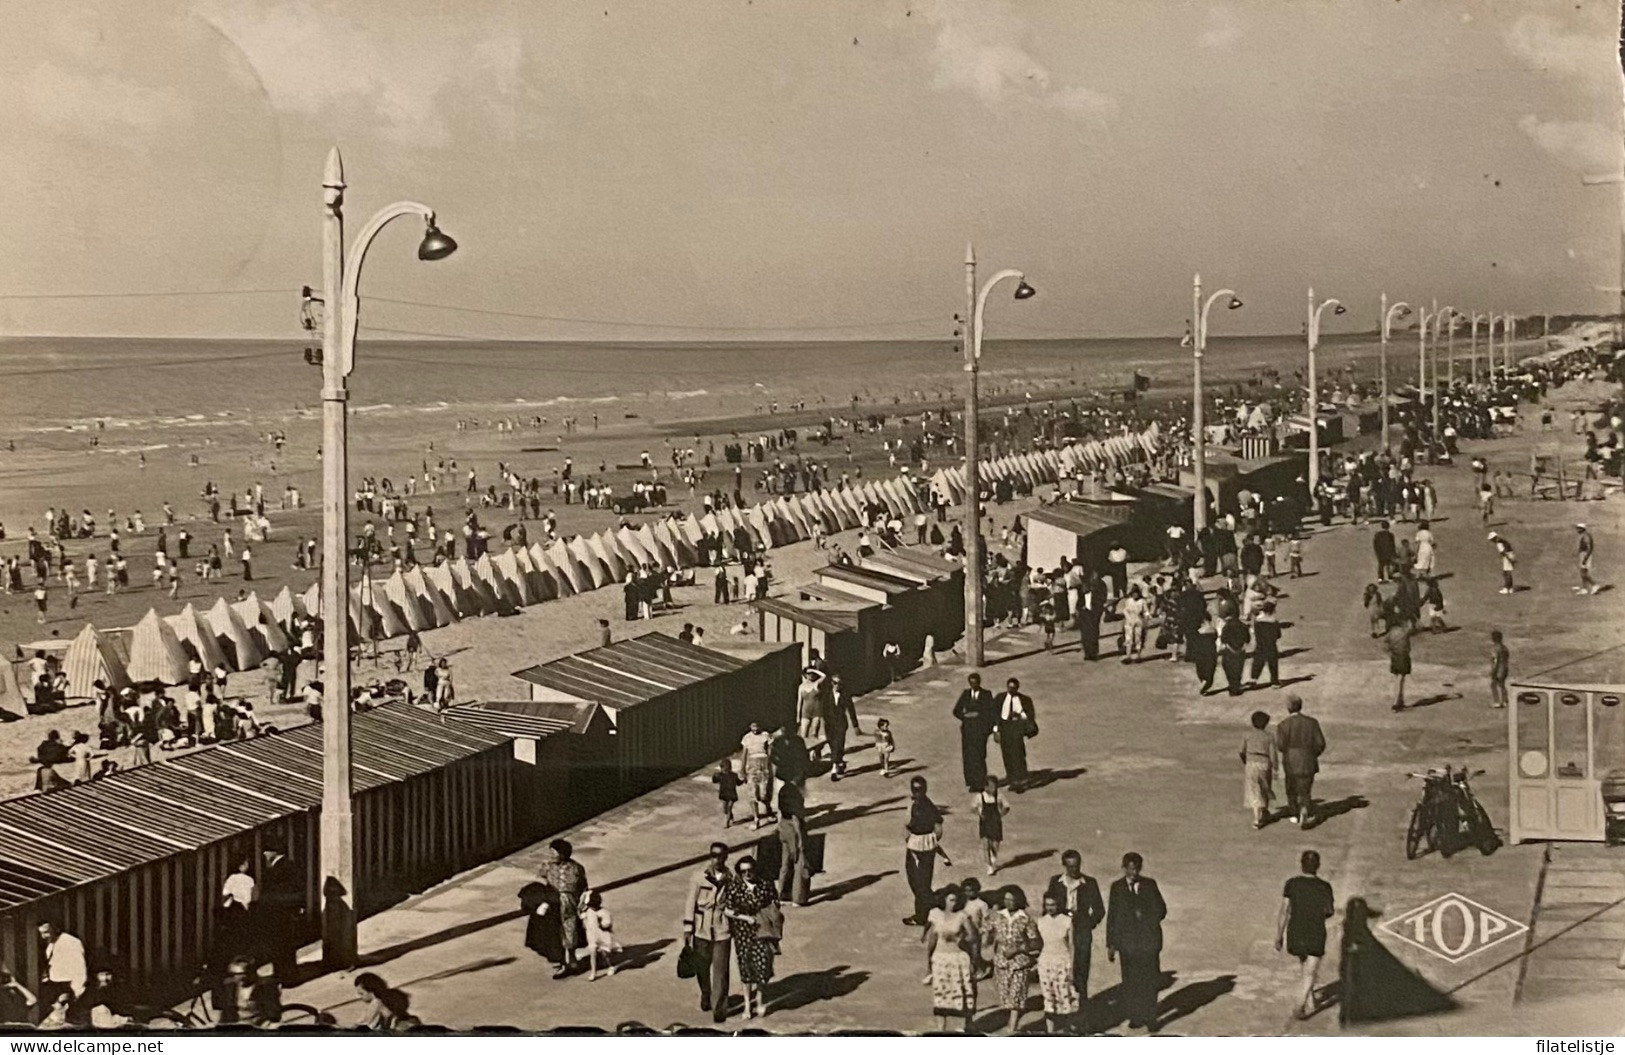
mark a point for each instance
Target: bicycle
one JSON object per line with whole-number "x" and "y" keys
{"x": 1448, "y": 817}
{"x": 199, "y": 1014}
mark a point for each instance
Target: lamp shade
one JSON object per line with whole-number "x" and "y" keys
{"x": 1024, "y": 291}
{"x": 436, "y": 244}
{"x": 1235, "y": 302}
{"x": 1340, "y": 310}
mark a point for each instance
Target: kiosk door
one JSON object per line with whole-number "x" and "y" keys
{"x": 1554, "y": 755}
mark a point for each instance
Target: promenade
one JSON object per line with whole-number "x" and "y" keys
{"x": 1131, "y": 759}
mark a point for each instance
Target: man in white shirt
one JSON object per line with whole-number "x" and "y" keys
{"x": 65, "y": 967}
{"x": 1016, "y": 722}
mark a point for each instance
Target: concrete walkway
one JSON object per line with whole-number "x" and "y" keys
{"x": 1132, "y": 759}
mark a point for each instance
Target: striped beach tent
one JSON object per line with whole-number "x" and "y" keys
{"x": 474, "y": 589}
{"x": 547, "y": 564}
{"x": 407, "y": 603}
{"x": 540, "y": 584}
{"x": 507, "y": 567}
{"x": 284, "y": 606}
{"x": 633, "y": 547}
{"x": 663, "y": 556}
{"x": 312, "y": 600}
{"x": 91, "y": 658}
{"x": 787, "y": 509}
{"x": 443, "y": 582}
{"x": 367, "y": 618}
{"x": 156, "y": 653}
{"x": 592, "y": 565}
{"x": 670, "y": 533}
{"x": 812, "y": 510}
{"x": 234, "y": 636}
{"x": 604, "y": 549}
{"x": 565, "y": 562}
{"x": 198, "y": 638}
{"x": 430, "y": 600}
{"x": 259, "y": 620}
{"x": 687, "y": 527}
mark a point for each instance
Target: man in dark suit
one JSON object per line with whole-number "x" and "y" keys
{"x": 1079, "y": 895}
{"x": 1091, "y": 607}
{"x": 1134, "y": 916}
{"x": 280, "y": 913}
{"x": 1382, "y": 545}
{"x": 1300, "y": 741}
{"x": 977, "y": 712}
{"x": 1017, "y": 720}
{"x": 1233, "y": 638}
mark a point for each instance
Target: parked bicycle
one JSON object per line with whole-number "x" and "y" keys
{"x": 1449, "y": 817}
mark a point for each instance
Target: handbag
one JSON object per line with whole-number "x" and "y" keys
{"x": 770, "y": 922}
{"x": 686, "y": 967}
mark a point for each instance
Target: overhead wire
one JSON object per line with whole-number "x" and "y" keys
{"x": 643, "y": 324}
{"x": 134, "y": 294}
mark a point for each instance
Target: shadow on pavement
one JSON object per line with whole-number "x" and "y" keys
{"x": 1027, "y": 858}
{"x": 384, "y": 955}
{"x": 641, "y": 955}
{"x": 1373, "y": 985}
{"x": 796, "y": 991}
{"x": 1043, "y": 778}
{"x": 836, "y": 891}
{"x": 1325, "y": 811}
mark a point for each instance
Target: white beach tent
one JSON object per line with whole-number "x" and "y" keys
{"x": 513, "y": 576}
{"x": 603, "y": 549}
{"x": 312, "y": 600}
{"x": 632, "y": 546}
{"x": 687, "y": 527}
{"x": 538, "y": 583}
{"x": 592, "y": 565}
{"x": 198, "y": 637}
{"x": 812, "y": 512}
{"x": 787, "y": 509}
{"x": 284, "y": 606}
{"x": 260, "y": 621}
{"x": 664, "y": 556}
{"x": 90, "y": 658}
{"x": 548, "y": 564}
{"x": 156, "y": 653}
{"x": 366, "y": 620}
{"x": 565, "y": 561}
{"x": 756, "y": 523}
{"x": 475, "y": 592}
{"x": 670, "y": 534}
{"x": 234, "y": 636}
{"x": 461, "y": 603}
{"x": 407, "y": 603}
{"x": 431, "y": 601}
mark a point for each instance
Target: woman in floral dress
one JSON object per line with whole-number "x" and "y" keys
{"x": 1013, "y": 937}
{"x": 950, "y": 945}
{"x": 1055, "y": 979}
{"x": 567, "y": 876}
{"x": 745, "y": 896}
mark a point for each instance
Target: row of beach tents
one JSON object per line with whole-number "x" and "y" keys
{"x": 240, "y": 635}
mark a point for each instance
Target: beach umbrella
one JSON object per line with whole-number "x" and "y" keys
{"x": 547, "y": 562}
{"x": 90, "y": 658}
{"x": 233, "y": 633}
{"x": 594, "y": 567}
{"x": 156, "y": 653}
{"x": 406, "y": 601}
{"x": 198, "y": 637}
{"x": 564, "y": 561}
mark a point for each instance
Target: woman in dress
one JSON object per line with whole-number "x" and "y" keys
{"x": 567, "y": 876}
{"x": 1427, "y": 551}
{"x": 540, "y": 903}
{"x": 951, "y": 943}
{"x": 1133, "y": 610}
{"x": 1013, "y": 937}
{"x": 742, "y": 901}
{"x": 990, "y": 809}
{"x": 1259, "y": 760}
{"x": 1055, "y": 979}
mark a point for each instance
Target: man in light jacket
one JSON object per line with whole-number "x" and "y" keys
{"x": 707, "y": 931}
{"x": 1300, "y": 741}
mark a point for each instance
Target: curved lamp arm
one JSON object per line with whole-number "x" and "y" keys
{"x": 981, "y": 303}
{"x": 1330, "y": 303}
{"x": 1388, "y": 320}
{"x": 1201, "y": 341}
{"x": 351, "y": 288}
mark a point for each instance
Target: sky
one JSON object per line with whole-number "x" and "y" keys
{"x": 805, "y": 169}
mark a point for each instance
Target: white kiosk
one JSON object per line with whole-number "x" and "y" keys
{"x": 1564, "y": 743}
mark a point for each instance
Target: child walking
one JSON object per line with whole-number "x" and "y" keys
{"x": 1500, "y": 670}
{"x": 990, "y": 809}
{"x": 885, "y": 745}
{"x": 727, "y": 782}
{"x": 601, "y": 941}
{"x": 1294, "y": 557}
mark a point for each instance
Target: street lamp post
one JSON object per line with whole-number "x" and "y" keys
{"x": 977, "y": 305}
{"x": 341, "y": 279}
{"x": 1313, "y": 333}
{"x": 1402, "y": 309}
{"x": 1476, "y": 318}
{"x": 1448, "y": 314}
{"x": 1199, "y": 311}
